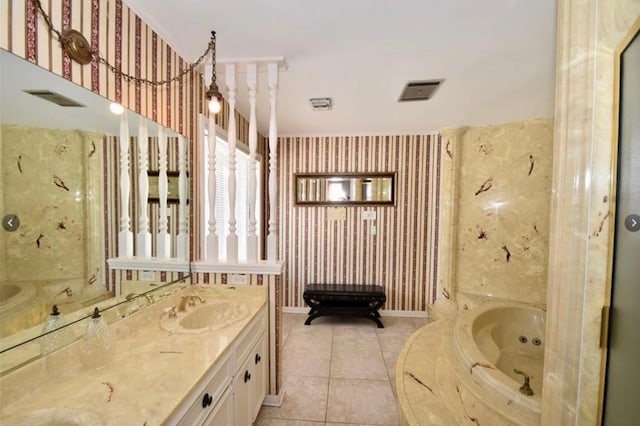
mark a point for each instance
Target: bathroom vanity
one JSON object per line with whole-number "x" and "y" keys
{"x": 211, "y": 368}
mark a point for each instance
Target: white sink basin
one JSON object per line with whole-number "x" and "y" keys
{"x": 57, "y": 417}
{"x": 204, "y": 318}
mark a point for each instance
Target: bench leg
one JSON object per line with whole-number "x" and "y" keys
{"x": 376, "y": 319}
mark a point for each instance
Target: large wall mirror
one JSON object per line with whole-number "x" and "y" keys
{"x": 344, "y": 189}
{"x": 54, "y": 199}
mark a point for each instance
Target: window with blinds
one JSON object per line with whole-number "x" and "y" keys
{"x": 242, "y": 206}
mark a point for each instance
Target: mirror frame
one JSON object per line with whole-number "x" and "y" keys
{"x": 302, "y": 203}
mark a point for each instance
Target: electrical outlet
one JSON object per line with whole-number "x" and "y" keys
{"x": 374, "y": 231}
{"x": 147, "y": 275}
{"x": 238, "y": 278}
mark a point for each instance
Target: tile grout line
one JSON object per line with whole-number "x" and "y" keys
{"x": 326, "y": 405}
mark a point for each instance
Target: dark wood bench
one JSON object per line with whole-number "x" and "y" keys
{"x": 344, "y": 299}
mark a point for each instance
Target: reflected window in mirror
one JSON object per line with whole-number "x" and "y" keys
{"x": 344, "y": 189}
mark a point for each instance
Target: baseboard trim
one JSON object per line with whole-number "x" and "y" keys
{"x": 274, "y": 400}
{"x": 383, "y": 313}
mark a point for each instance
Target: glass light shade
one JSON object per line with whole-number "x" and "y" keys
{"x": 116, "y": 108}
{"x": 214, "y": 105}
{"x": 97, "y": 348}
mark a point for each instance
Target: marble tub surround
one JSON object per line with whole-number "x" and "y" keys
{"x": 22, "y": 306}
{"x": 152, "y": 372}
{"x": 436, "y": 387}
{"x": 502, "y": 188}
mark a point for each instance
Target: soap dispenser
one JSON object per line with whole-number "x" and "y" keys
{"x": 97, "y": 348}
{"x": 51, "y": 339}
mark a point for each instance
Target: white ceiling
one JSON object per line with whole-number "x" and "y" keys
{"x": 497, "y": 58}
{"x": 20, "y": 108}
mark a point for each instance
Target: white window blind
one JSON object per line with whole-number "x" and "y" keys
{"x": 222, "y": 198}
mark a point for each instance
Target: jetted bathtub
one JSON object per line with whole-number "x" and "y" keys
{"x": 499, "y": 347}
{"x": 22, "y": 305}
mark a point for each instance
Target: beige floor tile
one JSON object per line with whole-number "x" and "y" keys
{"x": 305, "y": 399}
{"x": 358, "y": 401}
{"x": 341, "y": 369}
{"x": 356, "y": 354}
{"x": 392, "y": 343}
{"x": 421, "y": 322}
{"x": 393, "y": 324}
{"x": 312, "y": 360}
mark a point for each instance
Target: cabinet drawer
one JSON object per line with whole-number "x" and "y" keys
{"x": 249, "y": 336}
{"x": 209, "y": 390}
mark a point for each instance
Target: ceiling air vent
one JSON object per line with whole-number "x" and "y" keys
{"x": 54, "y": 97}
{"x": 419, "y": 90}
{"x": 321, "y": 104}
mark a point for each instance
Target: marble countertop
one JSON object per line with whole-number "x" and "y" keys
{"x": 152, "y": 373}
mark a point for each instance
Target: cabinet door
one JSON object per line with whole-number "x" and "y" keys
{"x": 261, "y": 371}
{"x": 222, "y": 414}
{"x": 242, "y": 389}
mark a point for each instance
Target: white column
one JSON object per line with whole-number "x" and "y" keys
{"x": 212, "y": 235}
{"x": 163, "y": 240}
{"x": 252, "y": 237}
{"x": 232, "y": 238}
{"x": 272, "y": 236}
{"x": 143, "y": 240}
{"x": 182, "y": 240}
{"x": 125, "y": 236}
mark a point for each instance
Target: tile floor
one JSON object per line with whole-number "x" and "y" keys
{"x": 339, "y": 371}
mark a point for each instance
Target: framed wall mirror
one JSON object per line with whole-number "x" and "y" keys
{"x": 344, "y": 188}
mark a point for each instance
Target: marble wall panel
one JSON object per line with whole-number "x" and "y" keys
{"x": 503, "y": 190}
{"x": 590, "y": 32}
{"x": 53, "y": 182}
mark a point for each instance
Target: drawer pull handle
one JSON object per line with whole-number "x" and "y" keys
{"x": 257, "y": 358}
{"x": 247, "y": 376}
{"x": 206, "y": 400}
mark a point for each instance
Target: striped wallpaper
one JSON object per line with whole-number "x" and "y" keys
{"x": 131, "y": 45}
{"x": 402, "y": 256}
{"x": 124, "y": 40}
{"x": 113, "y": 185}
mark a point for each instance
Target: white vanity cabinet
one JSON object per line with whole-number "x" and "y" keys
{"x": 206, "y": 396}
{"x": 233, "y": 390}
{"x": 249, "y": 379}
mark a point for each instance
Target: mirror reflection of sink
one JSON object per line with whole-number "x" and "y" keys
{"x": 203, "y": 318}
{"x": 55, "y": 416}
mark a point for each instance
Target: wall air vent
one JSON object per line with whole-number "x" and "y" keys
{"x": 54, "y": 97}
{"x": 419, "y": 90}
{"x": 321, "y": 104}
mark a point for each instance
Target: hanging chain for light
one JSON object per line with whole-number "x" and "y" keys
{"x": 213, "y": 90}
{"x": 76, "y": 46}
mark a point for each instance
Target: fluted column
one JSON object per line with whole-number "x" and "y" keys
{"x": 143, "y": 240}
{"x": 272, "y": 236}
{"x": 232, "y": 237}
{"x": 182, "y": 240}
{"x": 125, "y": 236}
{"x": 252, "y": 237}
